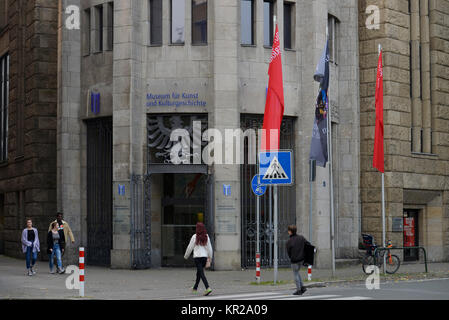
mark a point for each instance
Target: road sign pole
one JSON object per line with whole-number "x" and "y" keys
{"x": 258, "y": 233}
{"x": 270, "y": 223}
{"x": 275, "y": 205}
{"x": 275, "y": 170}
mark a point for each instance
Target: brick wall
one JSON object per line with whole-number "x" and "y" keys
{"x": 28, "y": 180}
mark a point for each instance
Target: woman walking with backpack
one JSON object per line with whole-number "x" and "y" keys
{"x": 202, "y": 254}
{"x": 30, "y": 246}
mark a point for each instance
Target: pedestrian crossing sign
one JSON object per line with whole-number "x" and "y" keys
{"x": 275, "y": 167}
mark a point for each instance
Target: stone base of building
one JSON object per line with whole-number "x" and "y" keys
{"x": 120, "y": 259}
{"x": 227, "y": 260}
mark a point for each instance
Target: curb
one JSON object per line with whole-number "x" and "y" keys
{"x": 357, "y": 281}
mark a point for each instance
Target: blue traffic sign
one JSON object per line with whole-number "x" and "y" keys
{"x": 275, "y": 167}
{"x": 258, "y": 189}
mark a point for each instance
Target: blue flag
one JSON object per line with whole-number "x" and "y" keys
{"x": 318, "y": 146}
{"x": 95, "y": 103}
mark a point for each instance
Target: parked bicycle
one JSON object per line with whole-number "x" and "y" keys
{"x": 373, "y": 257}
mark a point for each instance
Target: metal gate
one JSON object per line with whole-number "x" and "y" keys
{"x": 287, "y": 204}
{"x": 140, "y": 222}
{"x": 99, "y": 191}
{"x": 159, "y": 128}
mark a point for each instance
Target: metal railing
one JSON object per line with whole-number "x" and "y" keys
{"x": 400, "y": 248}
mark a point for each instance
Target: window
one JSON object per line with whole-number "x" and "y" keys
{"x": 288, "y": 24}
{"x": 3, "y": 13}
{"x": 4, "y": 100}
{"x": 178, "y": 11}
{"x": 110, "y": 27}
{"x": 199, "y": 21}
{"x": 247, "y": 21}
{"x": 99, "y": 28}
{"x": 268, "y": 15}
{"x": 333, "y": 38}
{"x": 86, "y": 32}
{"x": 2, "y": 223}
{"x": 155, "y": 22}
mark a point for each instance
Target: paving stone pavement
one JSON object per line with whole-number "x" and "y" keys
{"x": 105, "y": 283}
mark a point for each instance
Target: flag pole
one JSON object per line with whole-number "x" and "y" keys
{"x": 331, "y": 178}
{"x": 275, "y": 205}
{"x": 383, "y": 200}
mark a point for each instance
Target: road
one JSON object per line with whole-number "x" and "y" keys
{"x": 434, "y": 289}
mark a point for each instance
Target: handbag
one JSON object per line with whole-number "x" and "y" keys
{"x": 208, "y": 263}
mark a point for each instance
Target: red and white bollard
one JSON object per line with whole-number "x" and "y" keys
{"x": 258, "y": 267}
{"x": 81, "y": 270}
{"x": 309, "y": 273}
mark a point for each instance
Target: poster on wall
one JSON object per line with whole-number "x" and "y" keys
{"x": 409, "y": 232}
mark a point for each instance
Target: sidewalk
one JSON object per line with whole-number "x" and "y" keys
{"x": 104, "y": 283}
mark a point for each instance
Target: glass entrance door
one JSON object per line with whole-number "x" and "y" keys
{"x": 183, "y": 205}
{"x": 411, "y": 235}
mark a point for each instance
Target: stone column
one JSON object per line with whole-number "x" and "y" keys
{"x": 312, "y": 24}
{"x": 127, "y": 117}
{"x": 225, "y": 114}
{"x": 69, "y": 128}
{"x": 416, "y": 75}
{"x": 425, "y": 77}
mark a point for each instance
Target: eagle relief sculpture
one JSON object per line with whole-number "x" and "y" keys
{"x": 161, "y": 127}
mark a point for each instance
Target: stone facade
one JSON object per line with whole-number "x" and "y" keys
{"x": 28, "y": 178}
{"x": 231, "y": 78}
{"x": 414, "y": 37}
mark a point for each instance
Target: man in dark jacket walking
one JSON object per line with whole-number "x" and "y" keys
{"x": 295, "y": 250}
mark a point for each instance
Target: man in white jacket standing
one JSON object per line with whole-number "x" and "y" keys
{"x": 202, "y": 254}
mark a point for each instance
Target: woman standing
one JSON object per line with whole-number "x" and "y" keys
{"x": 30, "y": 246}
{"x": 202, "y": 254}
{"x": 55, "y": 245}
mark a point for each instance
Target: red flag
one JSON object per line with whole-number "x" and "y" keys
{"x": 378, "y": 158}
{"x": 274, "y": 106}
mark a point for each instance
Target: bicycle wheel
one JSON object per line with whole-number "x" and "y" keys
{"x": 392, "y": 265}
{"x": 367, "y": 261}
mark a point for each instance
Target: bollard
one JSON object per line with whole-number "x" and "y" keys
{"x": 81, "y": 270}
{"x": 258, "y": 267}
{"x": 309, "y": 273}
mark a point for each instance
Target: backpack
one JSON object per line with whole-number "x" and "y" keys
{"x": 309, "y": 254}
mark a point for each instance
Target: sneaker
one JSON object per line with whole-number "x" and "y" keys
{"x": 60, "y": 271}
{"x": 303, "y": 290}
{"x": 52, "y": 271}
{"x": 208, "y": 292}
{"x": 194, "y": 290}
{"x": 297, "y": 293}
{"x": 30, "y": 273}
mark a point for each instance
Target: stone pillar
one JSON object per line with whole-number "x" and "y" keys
{"x": 425, "y": 77}
{"x": 226, "y": 115}
{"x": 127, "y": 121}
{"x": 416, "y": 75}
{"x": 69, "y": 128}
{"x": 312, "y": 24}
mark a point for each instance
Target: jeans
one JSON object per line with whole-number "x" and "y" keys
{"x": 31, "y": 257}
{"x": 200, "y": 264}
{"x": 295, "y": 268}
{"x": 56, "y": 251}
